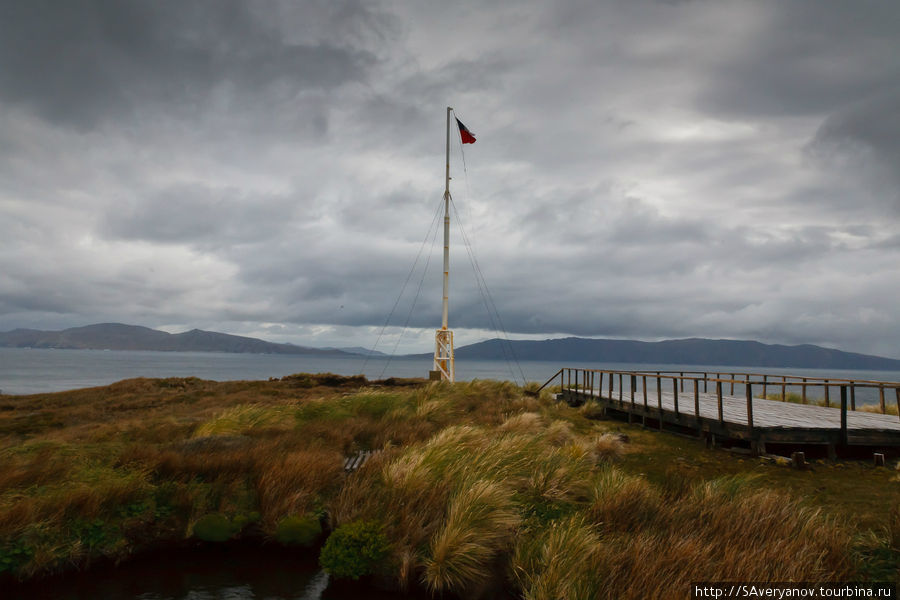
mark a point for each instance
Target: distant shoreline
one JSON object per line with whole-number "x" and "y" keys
{"x": 693, "y": 351}
{"x": 43, "y": 370}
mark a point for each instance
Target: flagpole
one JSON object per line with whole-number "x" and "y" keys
{"x": 444, "y": 368}
{"x": 447, "y": 228}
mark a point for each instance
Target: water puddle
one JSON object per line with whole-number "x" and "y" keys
{"x": 227, "y": 572}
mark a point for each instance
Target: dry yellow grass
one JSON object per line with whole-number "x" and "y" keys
{"x": 295, "y": 483}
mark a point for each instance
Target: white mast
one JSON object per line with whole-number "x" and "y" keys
{"x": 444, "y": 367}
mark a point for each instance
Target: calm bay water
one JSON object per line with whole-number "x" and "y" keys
{"x": 32, "y": 371}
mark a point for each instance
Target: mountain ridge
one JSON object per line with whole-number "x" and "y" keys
{"x": 687, "y": 351}
{"x": 118, "y": 336}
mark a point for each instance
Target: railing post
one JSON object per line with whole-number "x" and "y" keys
{"x": 621, "y": 385}
{"x": 844, "y": 414}
{"x": 659, "y": 395}
{"x": 784, "y": 388}
{"x": 827, "y": 394}
{"x": 881, "y": 399}
{"x": 675, "y": 391}
{"x": 611, "y": 386}
{"x": 705, "y": 381}
{"x": 765, "y": 385}
{"x": 719, "y": 398}
{"x": 750, "y": 406}
{"x": 732, "y": 384}
{"x": 804, "y": 391}
{"x": 644, "y": 390}
{"x": 852, "y": 396}
{"x": 681, "y": 380}
{"x": 696, "y": 399}
{"x": 633, "y": 385}
{"x": 897, "y": 391}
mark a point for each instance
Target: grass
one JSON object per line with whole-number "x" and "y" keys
{"x": 890, "y": 405}
{"x": 478, "y": 486}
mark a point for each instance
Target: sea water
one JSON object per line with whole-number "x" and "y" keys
{"x": 32, "y": 370}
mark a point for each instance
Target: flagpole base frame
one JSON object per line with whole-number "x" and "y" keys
{"x": 444, "y": 363}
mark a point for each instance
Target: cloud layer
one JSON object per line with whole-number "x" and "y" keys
{"x": 643, "y": 169}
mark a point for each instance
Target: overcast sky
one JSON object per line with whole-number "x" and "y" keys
{"x": 643, "y": 170}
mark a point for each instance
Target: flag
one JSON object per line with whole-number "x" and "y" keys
{"x": 465, "y": 134}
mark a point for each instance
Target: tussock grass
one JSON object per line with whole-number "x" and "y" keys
{"x": 795, "y": 398}
{"x": 481, "y": 520}
{"x": 623, "y": 502}
{"x": 557, "y": 561}
{"x": 890, "y": 408}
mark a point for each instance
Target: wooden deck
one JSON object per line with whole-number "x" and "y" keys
{"x": 753, "y": 423}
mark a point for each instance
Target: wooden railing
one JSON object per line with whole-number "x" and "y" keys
{"x": 674, "y": 381}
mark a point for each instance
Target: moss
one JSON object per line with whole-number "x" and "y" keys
{"x": 214, "y": 527}
{"x": 298, "y": 530}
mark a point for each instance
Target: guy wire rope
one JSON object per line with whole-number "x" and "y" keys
{"x": 490, "y": 306}
{"x": 434, "y": 220}
{"x": 483, "y": 289}
{"x": 413, "y": 305}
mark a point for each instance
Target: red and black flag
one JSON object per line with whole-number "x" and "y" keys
{"x": 464, "y": 133}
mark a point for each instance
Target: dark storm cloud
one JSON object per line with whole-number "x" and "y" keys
{"x": 797, "y": 58}
{"x": 643, "y": 169}
{"x": 865, "y": 138}
{"x": 199, "y": 215}
{"x": 82, "y": 62}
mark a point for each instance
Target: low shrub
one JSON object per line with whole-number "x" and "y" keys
{"x": 354, "y": 549}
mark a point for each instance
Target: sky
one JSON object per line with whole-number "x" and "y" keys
{"x": 644, "y": 169}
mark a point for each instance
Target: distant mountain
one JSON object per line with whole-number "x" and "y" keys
{"x": 692, "y": 351}
{"x": 116, "y": 336}
{"x": 359, "y": 350}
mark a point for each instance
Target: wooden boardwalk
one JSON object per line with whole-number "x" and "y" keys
{"x": 753, "y": 422}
